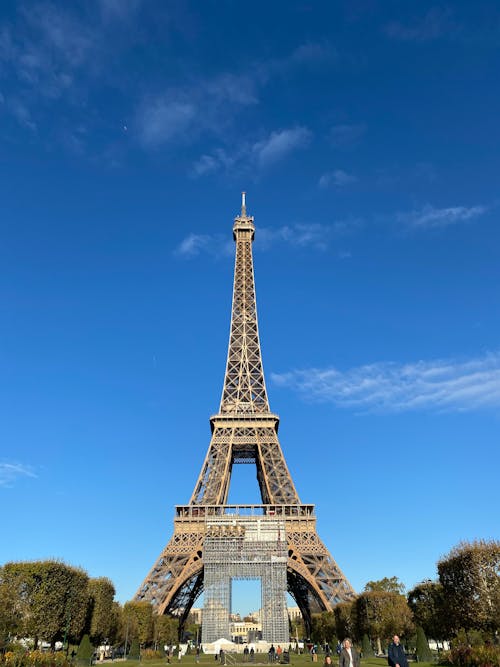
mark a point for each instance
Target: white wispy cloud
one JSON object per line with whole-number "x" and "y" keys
{"x": 315, "y": 236}
{"x": 300, "y": 235}
{"x": 252, "y": 157}
{"x": 434, "y": 24}
{"x": 279, "y": 145}
{"x": 219, "y": 160}
{"x": 336, "y": 179}
{"x": 429, "y": 216}
{"x": 436, "y": 385}
{"x": 49, "y": 51}
{"x": 11, "y": 472}
{"x": 216, "y": 245}
{"x": 184, "y": 113}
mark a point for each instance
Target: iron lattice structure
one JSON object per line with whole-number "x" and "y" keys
{"x": 244, "y": 547}
{"x": 244, "y": 431}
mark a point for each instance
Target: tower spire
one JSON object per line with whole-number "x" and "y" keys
{"x": 243, "y": 205}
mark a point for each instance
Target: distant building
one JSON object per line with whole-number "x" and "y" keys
{"x": 294, "y": 613}
{"x": 245, "y": 632}
{"x": 195, "y": 615}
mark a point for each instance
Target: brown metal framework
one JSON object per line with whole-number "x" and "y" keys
{"x": 244, "y": 431}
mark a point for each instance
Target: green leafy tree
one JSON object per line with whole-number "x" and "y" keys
{"x": 387, "y": 585}
{"x": 297, "y": 629}
{"x": 470, "y": 577}
{"x": 10, "y": 613}
{"x": 52, "y": 599}
{"x": 424, "y": 653}
{"x": 381, "y": 614}
{"x": 166, "y": 630}
{"x": 324, "y": 627}
{"x": 101, "y": 596}
{"x": 138, "y": 617}
{"x": 344, "y": 621}
{"x": 426, "y": 600}
{"x": 116, "y": 623}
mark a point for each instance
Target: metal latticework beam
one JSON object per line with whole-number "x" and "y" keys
{"x": 244, "y": 431}
{"x": 245, "y": 547}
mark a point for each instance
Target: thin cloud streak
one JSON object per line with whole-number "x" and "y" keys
{"x": 194, "y": 245}
{"x": 436, "y": 23}
{"x": 436, "y": 385}
{"x": 11, "y": 472}
{"x": 315, "y": 236}
{"x": 429, "y": 216}
{"x": 280, "y": 144}
{"x": 336, "y": 179}
{"x": 260, "y": 155}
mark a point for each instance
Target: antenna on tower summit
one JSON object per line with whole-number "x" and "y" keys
{"x": 243, "y": 205}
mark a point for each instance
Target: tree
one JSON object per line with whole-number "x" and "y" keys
{"x": 101, "y": 595}
{"x": 51, "y": 599}
{"x": 424, "y": 653}
{"x": 426, "y": 600}
{"x": 138, "y": 617}
{"x": 381, "y": 614}
{"x": 392, "y": 585}
{"x": 470, "y": 577}
{"x": 343, "y": 613}
{"x": 166, "y": 630}
{"x": 324, "y": 627}
{"x": 10, "y": 613}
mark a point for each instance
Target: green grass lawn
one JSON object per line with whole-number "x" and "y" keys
{"x": 303, "y": 660}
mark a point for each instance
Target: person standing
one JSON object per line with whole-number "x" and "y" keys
{"x": 349, "y": 657}
{"x": 396, "y": 656}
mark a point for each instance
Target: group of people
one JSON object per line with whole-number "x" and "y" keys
{"x": 349, "y": 657}
{"x": 274, "y": 654}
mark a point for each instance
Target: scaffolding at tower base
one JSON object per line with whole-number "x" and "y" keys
{"x": 245, "y": 547}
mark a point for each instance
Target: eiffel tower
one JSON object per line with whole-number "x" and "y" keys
{"x": 244, "y": 431}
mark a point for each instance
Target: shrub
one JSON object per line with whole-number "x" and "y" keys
{"x": 150, "y": 654}
{"x": 472, "y": 656}
{"x": 424, "y": 653}
{"x": 23, "y": 658}
{"x": 366, "y": 647}
{"x": 135, "y": 650}
{"x": 85, "y": 650}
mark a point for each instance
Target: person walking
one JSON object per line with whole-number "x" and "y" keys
{"x": 349, "y": 657}
{"x": 396, "y": 656}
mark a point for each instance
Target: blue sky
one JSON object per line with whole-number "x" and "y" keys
{"x": 366, "y": 136}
